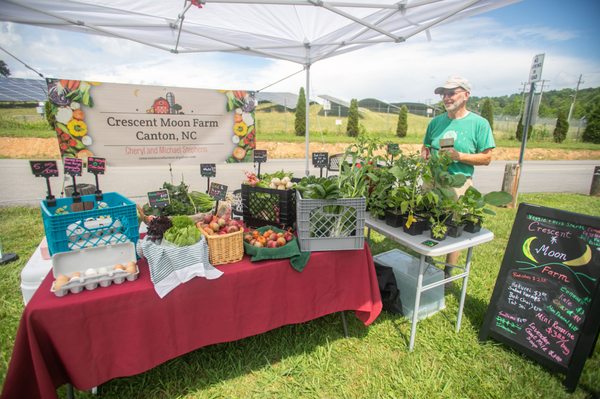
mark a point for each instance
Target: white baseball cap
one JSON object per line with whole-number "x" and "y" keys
{"x": 454, "y": 82}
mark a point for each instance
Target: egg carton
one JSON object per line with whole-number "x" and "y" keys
{"x": 93, "y": 267}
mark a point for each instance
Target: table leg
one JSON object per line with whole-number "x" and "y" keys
{"x": 70, "y": 392}
{"x": 344, "y": 324}
{"x": 415, "y": 317}
{"x": 463, "y": 292}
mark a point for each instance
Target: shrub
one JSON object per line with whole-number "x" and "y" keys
{"x": 352, "y": 129}
{"x": 487, "y": 111}
{"x": 591, "y": 134}
{"x": 519, "y": 132}
{"x": 562, "y": 127}
{"x": 300, "y": 121}
{"x": 402, "y": 127}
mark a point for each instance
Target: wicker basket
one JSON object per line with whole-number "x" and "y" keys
{"x": 225, "y": 248}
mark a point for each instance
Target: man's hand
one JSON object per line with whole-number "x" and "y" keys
{"x": 425, "y": 152}
{"x": 454, "y": 155}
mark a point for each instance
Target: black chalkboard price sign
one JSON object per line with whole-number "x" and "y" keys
{"x": 319, "y": 159}
{"x": 217, "y": 191}
{"x": 546, "y": 301}
{"x": 260, "y": 155}
{"x": 73, "y": 166}
{"x": 44, "y": 168}
{"x": 208, "y": 170}
{"x": 96, "y": 165}
{"x": 158, "y": 199}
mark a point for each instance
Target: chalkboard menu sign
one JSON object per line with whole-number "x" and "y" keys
{"x": 393, "y": 148}
{"x": 546, "y": 302}
{"x": 319, "y": 159}
{"x": 44, "y": 168}
{"x": 260, "y": 155}
{"x": 158, "y": 199}
{"x": 96, "y": 165}
{"x": 217, "y": 191}
{"x": 208, "y": 170}
{"x": 73, "y": 166}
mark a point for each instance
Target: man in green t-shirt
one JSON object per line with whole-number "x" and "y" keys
{"x": 467, "y": 137}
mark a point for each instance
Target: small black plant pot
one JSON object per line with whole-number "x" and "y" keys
{"x": 394, "y": 219}
{"x": 455, "y": 230}
{"x": 472, "y": 227}
{"x": 417, "y": 227}
{"x": 438, "y": 238}
{"x": 381, "y": 217}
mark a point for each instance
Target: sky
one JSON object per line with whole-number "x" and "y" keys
{"x": 493, "y": 50}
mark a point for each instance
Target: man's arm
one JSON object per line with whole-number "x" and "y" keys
{"x": 482, "y": 158}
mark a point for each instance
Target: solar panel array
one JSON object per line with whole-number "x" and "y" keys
{"x": 287, "y": 100}
{"x": 17, "y": 89}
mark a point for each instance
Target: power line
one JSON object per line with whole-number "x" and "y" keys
{"x": 26, "y": 66}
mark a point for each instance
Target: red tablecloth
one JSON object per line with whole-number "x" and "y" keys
{"x": 89, "y": 338}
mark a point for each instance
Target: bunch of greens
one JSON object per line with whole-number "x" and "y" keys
{"x": 183, "y": 232}
{"x": 182, "y": 202}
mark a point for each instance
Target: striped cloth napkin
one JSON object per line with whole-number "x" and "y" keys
{"x": 171, "y": 265}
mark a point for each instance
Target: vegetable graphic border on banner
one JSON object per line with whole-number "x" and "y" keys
{"x": 151, "y": 125}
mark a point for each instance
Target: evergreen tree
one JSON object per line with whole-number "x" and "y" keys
{"x": 519, "y": 133}
{"x": 4, "y": 71}
{"x": 487, "y": 111}
{"x": 300, "y": 121}
{"x": 591, "y": 134}
{"x": 352, "y": 129}
{"x": 402, "y": 127}
{"x": 562, "y": 127}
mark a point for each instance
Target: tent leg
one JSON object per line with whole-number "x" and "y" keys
{"x": 307, "y": 128}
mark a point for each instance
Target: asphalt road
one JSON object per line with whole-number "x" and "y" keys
{"x": 20, "y": 187}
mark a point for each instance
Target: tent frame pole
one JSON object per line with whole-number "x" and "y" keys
{"x": 307, "y": 127}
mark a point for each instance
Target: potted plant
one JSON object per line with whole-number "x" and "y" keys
{"x": 474, "y": 206}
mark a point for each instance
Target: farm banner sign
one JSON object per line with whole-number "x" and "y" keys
{"x": 149, "y": 125}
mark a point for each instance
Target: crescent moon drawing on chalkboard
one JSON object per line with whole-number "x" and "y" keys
{"x": 527, "y": 250}
{"x": 582, "y": 260}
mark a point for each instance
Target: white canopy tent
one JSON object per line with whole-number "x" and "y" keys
{"x": 300, "y": 31}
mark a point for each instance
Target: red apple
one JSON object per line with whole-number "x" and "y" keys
{"x": 288, "y": 236}
{"x": 207, "y": 218}
{"x": 273, "y": 237}
{"x": 233, "y": 229}
{"x": 272, "y": 244}
{"x": 214, "y": 225}
{"x": 281, "y": 241}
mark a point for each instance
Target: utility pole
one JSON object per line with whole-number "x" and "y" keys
{"x": 522, "y": 99}
{"x": 574, "y": 99}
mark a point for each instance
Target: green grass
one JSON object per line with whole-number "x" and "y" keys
{"x": 279, "y": 127}
{"x": 23, "y": 122}
{"x": 313, "y": 360}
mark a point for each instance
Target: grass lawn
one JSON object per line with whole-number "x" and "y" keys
{"x": 314, "y": 360}
{"x": 279, "y": 127}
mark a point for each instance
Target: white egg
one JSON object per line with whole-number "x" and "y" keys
{"x": 102, "y": 270}
{"x": 90, "y": 272}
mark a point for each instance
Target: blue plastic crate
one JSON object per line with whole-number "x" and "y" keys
{"x": 111, "y": 220}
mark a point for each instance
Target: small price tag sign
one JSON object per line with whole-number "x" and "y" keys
{"x": 393, "y": 148}
{"x": 446, "y": 143}
{"x": 208, "y": 170}
{"x": 44, "y": 168}
{"x": 217, "y": 191}
{"x": 73, "y": 166}
{"x": 158, "y": 199}
{"x": 319, "y": 159}
{"x": 260, "y": 155}
{"x": 96, "y": 165}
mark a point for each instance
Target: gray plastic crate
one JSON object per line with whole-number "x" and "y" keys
{"x": 330, "y": 225}
{"x": 406, "y": 270}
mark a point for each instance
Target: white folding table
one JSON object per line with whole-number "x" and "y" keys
{"x": 416, "y": 243}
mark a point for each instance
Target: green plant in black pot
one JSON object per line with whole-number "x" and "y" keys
{"x": 474, "y": 209}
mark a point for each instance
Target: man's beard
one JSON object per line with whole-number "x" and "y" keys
{"x": 455, "y": 105}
